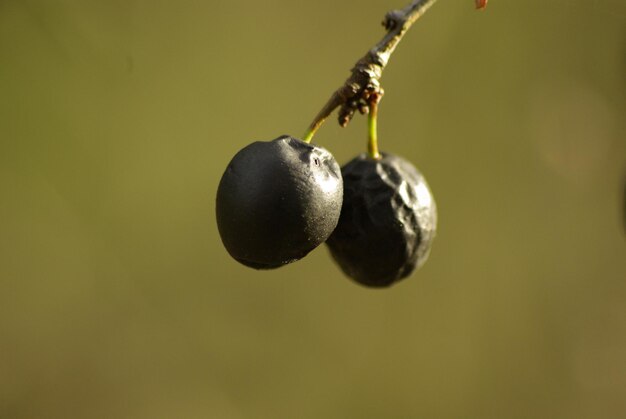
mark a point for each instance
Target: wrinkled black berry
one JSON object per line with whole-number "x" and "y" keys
{"x": 277, "y": 201}
{"x": 388, "y": 220}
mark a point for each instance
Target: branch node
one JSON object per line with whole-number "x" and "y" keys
{"x": 363, "y": 85}
{"x": 392, "y": 19}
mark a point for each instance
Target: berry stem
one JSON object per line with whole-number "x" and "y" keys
{"x": 310, "y": 132}
{"x": 372, "y": 127}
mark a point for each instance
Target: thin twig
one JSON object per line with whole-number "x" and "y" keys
{"x": 364, "y": 80}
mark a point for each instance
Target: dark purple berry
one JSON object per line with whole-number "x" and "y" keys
{"x": 277, "y": 201}
{"x": 388, "y": 220}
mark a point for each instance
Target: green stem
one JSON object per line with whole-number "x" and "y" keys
{"x": 372, "y": 128}
{"x": 308, "y": 135}
{"x": 310, "y": 132}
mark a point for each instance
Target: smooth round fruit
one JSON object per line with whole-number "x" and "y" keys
{"x": 387, "y": 223}
{"x": 277, "y": 201}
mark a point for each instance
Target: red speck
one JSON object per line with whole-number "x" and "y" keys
{"x": 481, "y": 4}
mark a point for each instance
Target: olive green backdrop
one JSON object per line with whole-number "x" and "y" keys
{"x": 117, "y": 299}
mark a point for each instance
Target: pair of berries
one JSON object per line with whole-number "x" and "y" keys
{"x": 279, "y": 200}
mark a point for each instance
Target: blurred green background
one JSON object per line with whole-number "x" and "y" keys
{"x": 117, "y": 299}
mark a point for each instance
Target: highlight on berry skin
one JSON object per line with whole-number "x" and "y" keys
{"x": 481, "y": 4}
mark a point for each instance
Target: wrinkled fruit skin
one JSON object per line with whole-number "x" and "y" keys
{"x": 277, "y": 201}
{"x": 387, "y": 223}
